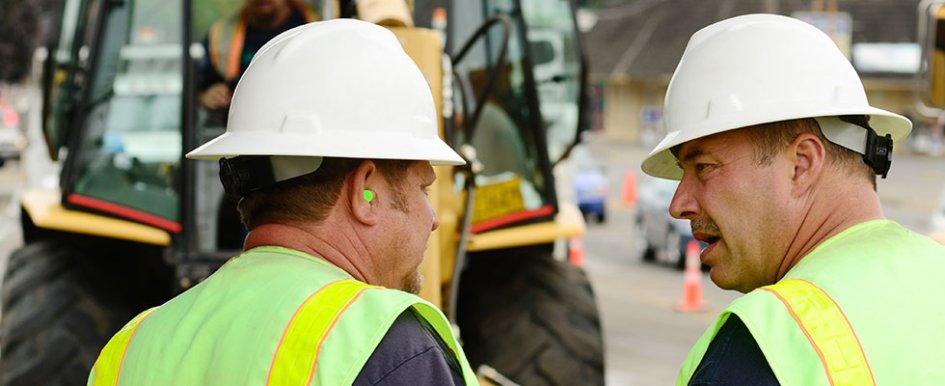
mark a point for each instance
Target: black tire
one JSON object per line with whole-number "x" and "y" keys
{"x": 531, "y": 318}
{"x": 56, "y": 317}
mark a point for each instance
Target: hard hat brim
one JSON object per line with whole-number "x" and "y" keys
{"x": 337, "y": 145}
{"x": 663, "y": 164}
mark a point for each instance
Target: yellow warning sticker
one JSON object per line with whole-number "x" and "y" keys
{"x": 498, "y": 199}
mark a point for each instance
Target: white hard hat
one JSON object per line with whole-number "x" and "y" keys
{"x": 761, "y": 68}
{"x": 337, "y": 88}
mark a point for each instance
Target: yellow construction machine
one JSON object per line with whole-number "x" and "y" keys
{"x": 133, "y": 223}
{"x": 930, "y": 88}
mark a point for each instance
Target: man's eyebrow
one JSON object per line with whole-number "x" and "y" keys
{"x": 688, "y": 156}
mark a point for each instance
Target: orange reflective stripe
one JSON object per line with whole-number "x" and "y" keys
{"x": 236, "y": 50}
{"x": 108, "y": 365}
{"x": 828, "y": 331}
{"x": 295, "y": 358}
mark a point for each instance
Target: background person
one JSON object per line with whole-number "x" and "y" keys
{"x": 229, "y": 47}
{"x": 776, "y": 149}
{"x": 232, "y": 42}
{"x": 335, "y": 201}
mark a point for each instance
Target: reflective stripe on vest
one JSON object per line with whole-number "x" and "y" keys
{"x": 297, "y": 355}
{"x": 442, "y": 327}
{"x": 226, "y": 46}
{"x": 314, "y": 326}
{"x": 827, "y": 329}
{"x": 108, "y": 366}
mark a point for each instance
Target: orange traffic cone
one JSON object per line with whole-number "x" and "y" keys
{"x": 576, "y": 251}
{"x": 692, "y": 283}
{"x": 629, "y": 192}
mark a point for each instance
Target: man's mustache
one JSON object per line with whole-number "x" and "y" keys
{"x": 705, "y": 225}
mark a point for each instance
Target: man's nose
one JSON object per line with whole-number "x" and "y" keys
{"x": 684, "y": 204}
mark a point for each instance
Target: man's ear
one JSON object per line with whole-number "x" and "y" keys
{"x": 364, "y": 177}
{"x": 807, "y": 152}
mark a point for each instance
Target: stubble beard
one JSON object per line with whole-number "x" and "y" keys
{"x": 412, "y": 283}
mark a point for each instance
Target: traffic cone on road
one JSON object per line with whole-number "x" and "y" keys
{"x": 692, "y": 283}
{"x": 629, "y": 192}
{"x": 576, "y": 251}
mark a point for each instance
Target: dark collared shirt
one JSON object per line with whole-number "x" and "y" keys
{"x": 411, "y": 354}
{"x": 733, "y": 358}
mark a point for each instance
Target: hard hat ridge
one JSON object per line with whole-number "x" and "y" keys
{"x": 337, "y": 88}
{"x": 755, "y": 69}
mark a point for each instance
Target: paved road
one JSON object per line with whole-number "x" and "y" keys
{"x": 646, "y": 338}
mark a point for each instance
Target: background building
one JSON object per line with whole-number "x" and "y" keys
{"x": 634, "y": 46}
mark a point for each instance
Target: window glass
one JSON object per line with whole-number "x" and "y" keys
{"x": 131, "y": 147}
{"x": 553, "y": 44}
{"x": 510, "y": 180}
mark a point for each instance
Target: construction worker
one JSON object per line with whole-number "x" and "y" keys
{"x": 331, "y": 138}
{"x": 777, "y": 151}
{"x": 232, "y": 42}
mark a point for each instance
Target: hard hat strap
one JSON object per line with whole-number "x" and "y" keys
{"x": 245, "y": 174}
{"x": 876, "y": 150}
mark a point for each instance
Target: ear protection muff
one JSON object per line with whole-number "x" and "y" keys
{"x": 245, "y": 174}
{"x": 878, "y": 154}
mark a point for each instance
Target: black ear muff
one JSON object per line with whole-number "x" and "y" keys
{"x": 878, "y": 152}
{"x": 245, "y": 174}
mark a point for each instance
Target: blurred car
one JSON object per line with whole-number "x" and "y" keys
{"x": 590, "y": 185}
{"x": 658, "y": 236}
{"x": 12, "y": 139}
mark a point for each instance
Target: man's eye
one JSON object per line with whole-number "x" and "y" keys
{"x": 702, "y": 167}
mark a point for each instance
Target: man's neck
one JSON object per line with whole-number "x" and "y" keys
{"x": 281, "y": 235}
{"x": 829, "y": 212}
{"x": 310, "y": 241}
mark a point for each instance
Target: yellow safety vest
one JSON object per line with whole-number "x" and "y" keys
{"x": 863, "y": 308}
{"x": 271, "y": 316}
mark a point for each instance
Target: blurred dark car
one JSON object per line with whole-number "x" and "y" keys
{"x": 658, "y": 236}
{"x": 590, "y": 185}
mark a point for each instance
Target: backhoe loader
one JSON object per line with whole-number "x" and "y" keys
{"x": 133, "y": 223}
